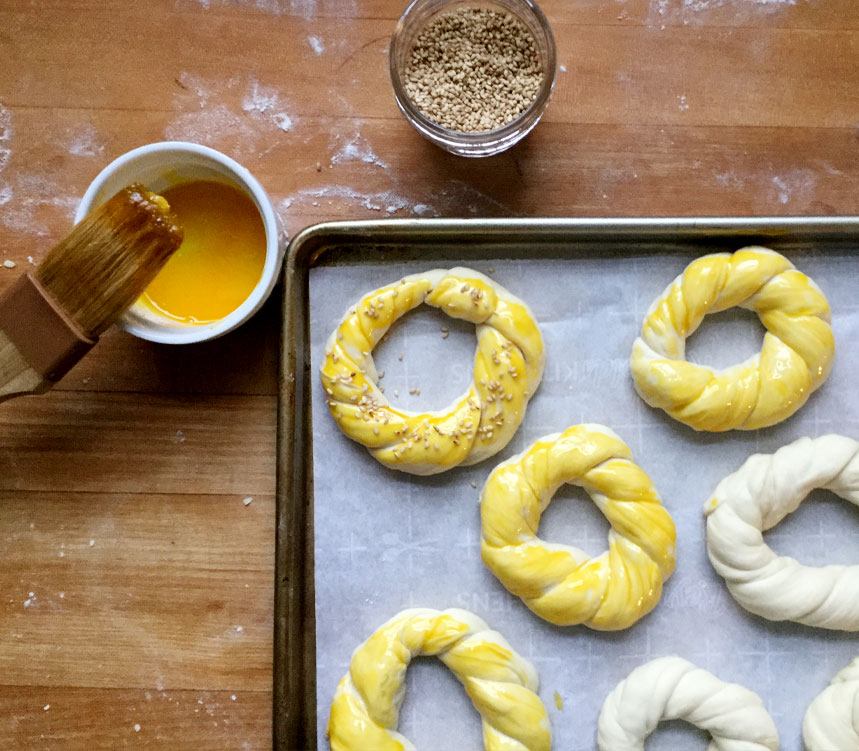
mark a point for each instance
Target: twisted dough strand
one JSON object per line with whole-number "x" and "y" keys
{"x": 795, "y": 359}
{"x": 671, "y": 688}
{"x": 562, "y": 584}
{"x": 501, "y": 684}
{"x": 758, "y": 496}
{"x": 832, "y": 719}
{"x": 508, "y": 366}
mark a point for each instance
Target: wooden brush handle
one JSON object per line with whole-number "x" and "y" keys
{"x": 39, "y": 343}
{"x": 16, "y": 376}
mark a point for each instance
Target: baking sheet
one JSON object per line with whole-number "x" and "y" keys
{"x": 385, "y": 540}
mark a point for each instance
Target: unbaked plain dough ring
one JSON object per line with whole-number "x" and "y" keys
{"x": 671, "y": 688}
{"x": 795, "y": 359}
{"x": 832, "y": 719}
{"x": 501, "y": 684}
{"x": 758, "y": 496}
{"x": 560, "y": 583}
{"x": 508, "y": 367}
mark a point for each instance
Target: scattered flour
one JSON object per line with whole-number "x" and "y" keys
{"x": 683, "y": 105}
{"x": 357, "y": 149}
{"x": 210, "y": 126}
{"x": 388, "y": 200}
{"x": 729, "y": 180}
{"x": 306, "y": 9}
{"x": 37, "y": 197}
{"x": 698, "y": 5}
{"x": 83, "y": 141}
{"x": 5, "y": 153}
{"x": 264, "y": 102}
{"x": 316, "y": 45}
{"x": 782, "y": 188}
{"x": 204, "y": 117}
{"x": 684, "y": 11}
{"x": 796, "y": 186}
{"x": 5, "y": 124}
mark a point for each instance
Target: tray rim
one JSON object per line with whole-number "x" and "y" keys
{"x": 294, "y": 674}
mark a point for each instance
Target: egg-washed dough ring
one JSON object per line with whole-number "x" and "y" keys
{"x": 758, "y": 496}
{"x": 671, "y": 688}
{"x": 832, "y": 719}
{"x": 765, "y": 389}
{"x": 562, "y": 584}
{"x": 501, "y": 684}
{"x": 508, "y": 366}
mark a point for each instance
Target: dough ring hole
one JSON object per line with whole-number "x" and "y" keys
{"x": 437, "y": 712}
{"x": 726, "y": 338}
{"x": 455, "y": 352}
{"x": 821, "y": 532}
{"x": 673, "y": 734}
{"x": 572, "y": 518}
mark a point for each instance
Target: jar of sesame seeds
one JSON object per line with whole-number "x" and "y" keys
{"x": 473, "y": 76}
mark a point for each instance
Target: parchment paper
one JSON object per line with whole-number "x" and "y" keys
{"x": 387, "y": 541}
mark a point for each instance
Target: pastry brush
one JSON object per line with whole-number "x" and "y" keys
{"x": 52, "y": 316}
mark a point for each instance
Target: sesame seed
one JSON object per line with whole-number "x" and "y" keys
{"x": 473, "y": 69}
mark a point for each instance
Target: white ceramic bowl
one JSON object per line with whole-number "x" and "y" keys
{"x": 159, "y": 166}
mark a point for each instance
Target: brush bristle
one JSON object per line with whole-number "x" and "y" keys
{"x": 109, "y": 258}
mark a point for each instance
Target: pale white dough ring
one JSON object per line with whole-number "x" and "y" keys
{"x": 832, "y": 719}
{"x": 758, "y": 496}
{"x": 671, "y": 688}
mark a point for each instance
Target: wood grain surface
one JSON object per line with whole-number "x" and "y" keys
{"x": 136, "y": 586}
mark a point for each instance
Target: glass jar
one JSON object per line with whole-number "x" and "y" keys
{"x": 482, "y": 143}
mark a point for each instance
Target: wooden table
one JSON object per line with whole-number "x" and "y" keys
{"x": 137, "y": 580}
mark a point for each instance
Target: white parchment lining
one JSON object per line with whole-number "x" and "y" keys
{"x": 387, "y": 541}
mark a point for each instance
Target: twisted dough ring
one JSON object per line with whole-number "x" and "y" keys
{"x": 671, "y": 688}
{"x": 832, "y": 719}
{"x": 560, "y": 583}
{"x": 796, "y": 356}
{"x": 501, "y": 684}
{"x": 758, "y": 496}
{"x": 508, "y": 366}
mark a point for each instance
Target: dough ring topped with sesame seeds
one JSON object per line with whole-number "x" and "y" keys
{"x": 795, "y": 359}
{"x": 758, "y": 496}
{"x": 501, "y": 684}
{"x": 562, "y": 584}
{"x": 832, "y": 719}
{"x": 508, "y": 366}
{"x": 671, "y": 688}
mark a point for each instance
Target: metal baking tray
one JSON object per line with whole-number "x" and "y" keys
{"x": 455, "y": 242}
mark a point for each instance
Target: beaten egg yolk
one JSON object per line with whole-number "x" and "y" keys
{"x": 220, "y": 260}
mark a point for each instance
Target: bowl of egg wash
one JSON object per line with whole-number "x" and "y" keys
{"x": 231, "y": 255}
